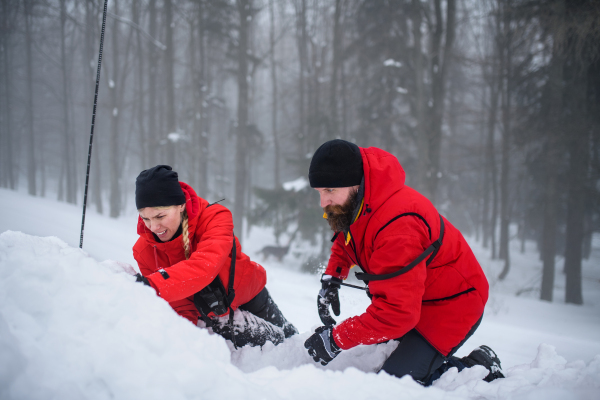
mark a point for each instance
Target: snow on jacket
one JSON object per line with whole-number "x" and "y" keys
{"x": 442, "y": 300}
{"x": 211, "y": 241}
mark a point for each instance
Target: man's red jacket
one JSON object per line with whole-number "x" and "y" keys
{"x": 442, "y": 301}
{"x": 211, "y": 240}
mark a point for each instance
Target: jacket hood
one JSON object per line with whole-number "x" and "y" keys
{"x": 383, "y": 176}
{"x": 192, "y": 206}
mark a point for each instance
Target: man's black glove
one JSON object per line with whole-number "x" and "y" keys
{"x": 321, "y": 346}
{"x": 140, "y": 278}
{"x": 328, "y": 295}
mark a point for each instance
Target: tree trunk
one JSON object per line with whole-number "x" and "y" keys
{"x": 274, "y": 110}
{"x": 31, "y": 165}
{"x": 506, "y": 63}
{"x": 139, "y": 96}
{"x": 335, "y": 67}
{"x": 576, "y": 95}
{"x": 489, "y": 231}
{"x": 423, "y": 156}
{"x": 96, "y": 172}
{"x": 202, "y": 90}
{"x": 115, "y": 193}
{"x": 68, "y": 155}
{"x": 153, "y": 137}
{"x": 170, "y": 82}
{"x": 440, "y": 66}
{"x": 8, "y": 168}
{"x": 244, "y": 7}
{"x": 301, "y": 40}
{"x": 555, "y": 84}
{"x": 274, "y": 98}
{"x": 579, "y": 157}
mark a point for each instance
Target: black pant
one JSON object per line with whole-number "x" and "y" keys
{"x": 416, "y": 357}
{"x": 255, "y": 323}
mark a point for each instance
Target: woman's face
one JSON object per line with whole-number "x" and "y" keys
{"x": 163, "y": 222}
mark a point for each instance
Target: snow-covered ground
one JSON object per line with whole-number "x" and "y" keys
{"x": 75, "y": 325}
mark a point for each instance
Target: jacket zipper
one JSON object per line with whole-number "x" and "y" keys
{"x": 156, "y": 257}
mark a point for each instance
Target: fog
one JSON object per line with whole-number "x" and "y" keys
{"x": 492, "y": 107}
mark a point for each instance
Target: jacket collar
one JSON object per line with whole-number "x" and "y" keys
{"x": 360, "y": 197}
{"x": 383, "y": 176}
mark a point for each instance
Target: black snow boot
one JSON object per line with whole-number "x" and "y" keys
{"x": 248, "y": 329}
{"x": 263, "y": 306}
{"x": 483, "y": 355}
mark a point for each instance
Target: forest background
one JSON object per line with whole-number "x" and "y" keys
{"x": 491, "y": 106}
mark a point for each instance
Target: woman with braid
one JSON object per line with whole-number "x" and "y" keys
{"x": 187, "y": 252}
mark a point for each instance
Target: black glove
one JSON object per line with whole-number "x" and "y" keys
{"x": 321, "y": 346}
{"x": 328, "y": 295}
{"x": 140, "y": 278}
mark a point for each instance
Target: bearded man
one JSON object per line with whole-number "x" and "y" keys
{"x": 427, "y": 289}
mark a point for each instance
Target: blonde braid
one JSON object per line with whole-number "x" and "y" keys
{"x": 185, "y": 234}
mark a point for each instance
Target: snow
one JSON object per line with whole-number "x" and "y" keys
{"x": 296, "y": 185}
{"x": 75, "y": 325}
{"x": 174, "y": 137}
{"x": 392, "y": 63}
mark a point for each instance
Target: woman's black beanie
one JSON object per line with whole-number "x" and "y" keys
{"x": 337, "y": 163}
{"x": 157, "y": 187}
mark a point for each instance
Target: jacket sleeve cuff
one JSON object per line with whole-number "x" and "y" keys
{"x": 153, "y": 284}
{"x": 338, "y": 271}
{"x": 339, "y": 340}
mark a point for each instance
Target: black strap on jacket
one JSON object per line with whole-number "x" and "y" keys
{"x": 214, "y": 298}
{"x": 231, "y": 292}
{"x": 433, "y": 249}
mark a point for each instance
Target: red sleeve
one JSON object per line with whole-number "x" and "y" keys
{"x": 396, "y": 304}
{"x": 187, "y": 309}
{"x": 211, "y": 255}
{"x": 339, "y": 263}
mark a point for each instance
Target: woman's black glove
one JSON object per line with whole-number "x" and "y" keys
{"x": 140, "y": 278}
{"x": 321, "y": 346}
{"x": 328, "y": 295}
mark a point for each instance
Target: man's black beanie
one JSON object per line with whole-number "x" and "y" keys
{"x": 157, "y": 187}
{"x": 336, "y": 163}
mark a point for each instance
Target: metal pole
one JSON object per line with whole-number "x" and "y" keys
{"x": 353, "y": 286}
{"x": 87, "y": 174}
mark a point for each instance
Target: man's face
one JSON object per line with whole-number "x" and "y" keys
{"x": 338, "y": 204}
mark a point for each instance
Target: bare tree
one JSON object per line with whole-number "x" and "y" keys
{"x": 7, "y": 178}
{"x": 170, "y": 82}
{"x": 440, "y": 62}
{"x": 68, "y": 160}
{"x": 90, "y": 26}
{"x": 244, "y": 8}
{"x": 31, "y": 163}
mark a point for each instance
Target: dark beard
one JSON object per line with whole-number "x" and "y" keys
{"x": 339, "y": 217}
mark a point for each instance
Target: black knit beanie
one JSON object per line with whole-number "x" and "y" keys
{"x": 157, "y": 187}
{"x": 337, "y": 163}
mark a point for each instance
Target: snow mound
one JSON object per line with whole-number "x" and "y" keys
{"x": 75, "y": 328}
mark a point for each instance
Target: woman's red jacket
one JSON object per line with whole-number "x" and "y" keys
{"x": 443, "y": 300}
{"x": 211, "y": 240}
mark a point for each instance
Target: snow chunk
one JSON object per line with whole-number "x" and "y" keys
{"x": 174, "y": 137}
{"x": 392, "y": 63}
{"x": 296, "y": 185}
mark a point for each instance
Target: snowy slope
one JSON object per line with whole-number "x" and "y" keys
{"x": 75, "y": 325}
